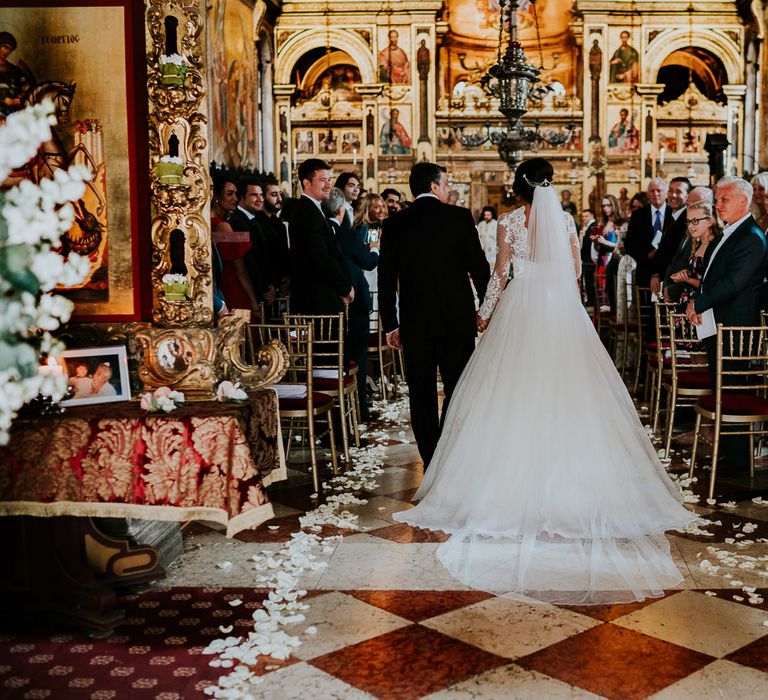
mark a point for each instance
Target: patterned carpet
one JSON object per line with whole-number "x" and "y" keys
{"x": 392, "y": 624}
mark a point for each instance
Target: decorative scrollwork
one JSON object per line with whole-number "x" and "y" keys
{"x": 177, "y": 110}
{"x": 271, "y": 361}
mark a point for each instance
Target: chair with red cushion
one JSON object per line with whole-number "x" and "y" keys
{"x": 299, "y": 401}
{"x": 739, "y": 405}
{"x": 688, "y": 378}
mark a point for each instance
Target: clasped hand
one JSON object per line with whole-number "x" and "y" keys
{"x": 482, "y": 323}
{"x": 691, "y": 315}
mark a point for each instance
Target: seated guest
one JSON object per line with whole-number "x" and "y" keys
{"x": 704, "y": 234}
{"x": 357, "y": 257}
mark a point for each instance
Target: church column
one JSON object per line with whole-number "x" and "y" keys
{"x": 751, "y": 108}
{"x": 370, "y": 155}
{"x": 735, "y": 95}
{"x": 286, "y": 156}
{"x": 649, "y": 93}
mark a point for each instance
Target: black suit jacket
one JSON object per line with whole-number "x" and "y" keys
{"x": 587, "y": 243}
{"x": 276, "y": 241}
{"x": 731, "y": 284}
{"x": 357, "y": 257}
{"x": 671, "y": 239}
{"x": 318, "y": 279}
{"x": 257, "y": 260}
{"x": 428, "y": 252}
{"x": 638, "y": 241}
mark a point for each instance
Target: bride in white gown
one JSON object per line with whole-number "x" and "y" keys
{"x": 544, "y": 476}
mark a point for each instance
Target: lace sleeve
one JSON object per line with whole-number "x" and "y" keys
{"x": 500, "y": 273}
{"x": 573, "y": 237}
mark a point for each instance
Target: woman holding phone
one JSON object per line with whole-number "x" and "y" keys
{"x": 370, "y": 214}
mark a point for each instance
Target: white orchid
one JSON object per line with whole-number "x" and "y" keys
{"x": 227, "y": 391}
{"x": 35, "y": 216}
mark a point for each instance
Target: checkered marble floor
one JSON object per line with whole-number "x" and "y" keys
{"x": 393, "y": 624}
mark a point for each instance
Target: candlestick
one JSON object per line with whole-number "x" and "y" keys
{"x": 354, "y": 156}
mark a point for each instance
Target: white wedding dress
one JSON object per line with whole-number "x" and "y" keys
{"x": 544, "y": 476}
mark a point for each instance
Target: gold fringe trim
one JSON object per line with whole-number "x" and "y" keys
{"x": 250, "y": 518}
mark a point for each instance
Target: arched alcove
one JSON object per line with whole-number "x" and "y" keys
{"x": 704, "y": 68}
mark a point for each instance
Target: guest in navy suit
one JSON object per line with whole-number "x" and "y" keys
{"x": 646, "y": 228}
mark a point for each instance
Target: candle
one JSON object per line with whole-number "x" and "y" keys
{"x": 294, "y": 154}
{"x": 662, "y": 151}
{"x": 354, "y": 156}
{"x": 51, "y": 369}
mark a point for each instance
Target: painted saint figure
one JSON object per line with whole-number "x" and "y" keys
{"x": 623, "y": 137}
{"x": 394, "y": 66}
{"x": 393, "y": 136}
{"x": 624, "y": 62}
{"x": 15, "y": 79}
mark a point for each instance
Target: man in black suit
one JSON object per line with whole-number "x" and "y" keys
{"x": 319, "y": 284}
{"x": 257, "y": 261}
{"x": 645, "y": 230}
{"x": 674, "y": 234}
{"x": 731, "y": 284}
{"x": 357, "y": 257}
{"x": 428, "y": 253}
{"x": 277, "y": 240}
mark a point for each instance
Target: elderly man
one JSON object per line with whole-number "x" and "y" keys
{"x": 731, "y": 284}
{"x": 357, "y": 257}
{"x": 646, "y": 228}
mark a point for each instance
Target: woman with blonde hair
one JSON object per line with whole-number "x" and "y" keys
{"x": 760, "y": 199}
{"x": 703, "y": 233}
{"x": 371, "y": 212}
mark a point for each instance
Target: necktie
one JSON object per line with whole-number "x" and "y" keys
{"x": 656, "y": 229}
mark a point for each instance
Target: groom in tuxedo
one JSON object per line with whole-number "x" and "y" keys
{"x": 731, "y": 285}
{"x": 428, "y": 254}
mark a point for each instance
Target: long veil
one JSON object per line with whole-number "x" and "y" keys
{"x": 544, "y": 476}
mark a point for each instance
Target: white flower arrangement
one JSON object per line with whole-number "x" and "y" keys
{"x": 32, "y": 220}
{"x": 163, "y": 400}
{"x": 174, "y": 279}
{"x": 176, "y": 160}
{"x": 227, "y": 391}
{"x": 175, "y": 287}
{"x": 174, "y": 58}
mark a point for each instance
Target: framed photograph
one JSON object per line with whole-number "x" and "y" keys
{"x": 101, "y": 126}
{"x": 96, "y": 375}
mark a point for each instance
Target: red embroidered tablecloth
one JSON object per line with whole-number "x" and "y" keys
{"x": 203, "y": 461}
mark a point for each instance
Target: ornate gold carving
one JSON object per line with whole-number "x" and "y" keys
{"x": 271, "y": 360}
{"x": 180, "y": 111}
{"x": 179, "y": 358}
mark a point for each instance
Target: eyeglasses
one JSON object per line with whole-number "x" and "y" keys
{"x": 696, "y": 222}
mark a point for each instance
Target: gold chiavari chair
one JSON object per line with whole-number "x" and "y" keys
{"x": 741, "y": 381}
{"x": 642, "y": 306}
{"x": 658, "y": 356}
{"x": 624, "y": 328}
{"x": 689, "y": 377}
{"x": 601, "y": 314}
{"x": 300, "y": 404}
{"x": 330, "y": 376}
{"x": 379, "y": 352}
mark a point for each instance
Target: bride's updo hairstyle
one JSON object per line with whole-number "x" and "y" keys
{"x": 531, "y": 171}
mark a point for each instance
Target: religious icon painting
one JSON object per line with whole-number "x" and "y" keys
{"x": 667, "y": 140}
{"x": 394, "y": 57}
{"x": 395, "y": 131}
{"x": 304, "y": 140}
{"x": 623, "y": 135}
{"x": 50, "y": 54}
{"x": 624, "y": 64}
{"x": 350, "y": 142}
{"x": 691, "y": 140}
{"x": 327, "y": 141}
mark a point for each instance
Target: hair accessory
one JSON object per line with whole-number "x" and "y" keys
{"x": 543, "y": 183}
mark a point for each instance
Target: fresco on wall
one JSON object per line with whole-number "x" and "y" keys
{"x": 232, "y": 98}
{"x": 335, "y": 84}
{"x": 92, "y": 130}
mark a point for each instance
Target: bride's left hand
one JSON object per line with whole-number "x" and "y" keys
{"x": 482, "y": 323}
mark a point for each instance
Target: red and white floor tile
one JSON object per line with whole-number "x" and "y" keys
{"x": 392, "y": 624}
